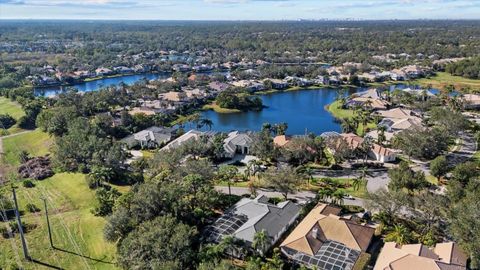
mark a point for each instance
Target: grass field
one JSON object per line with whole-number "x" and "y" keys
{"x": 443, "y": 79}
{"x": 77, "y": 234}
{"x": 13, "y": 109}
{"x": 36, "y": 143}
{"x": 336, "y": 110}
{"x": 219, "y": 109}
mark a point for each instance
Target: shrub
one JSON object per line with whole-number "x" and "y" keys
{"x": 28, "y": 183}
{"x": 32, "y": 208}
{"x": 6, "y": 121}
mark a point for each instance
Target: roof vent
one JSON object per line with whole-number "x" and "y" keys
{"x": 315, "y": 233}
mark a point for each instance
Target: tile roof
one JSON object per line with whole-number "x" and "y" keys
{"x": 324, "y": 223}
{"x": 445, "y": 256}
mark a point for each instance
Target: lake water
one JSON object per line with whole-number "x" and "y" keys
{"x": 98, "y": 84}
{"x": 303, "y": 110}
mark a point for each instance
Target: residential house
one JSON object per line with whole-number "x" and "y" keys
{"x": 173, "y": 96}
{"x": 237, "y": 143}
{"x": 188, "y": 136}
{"x": 278, "y": 84}
{"x": 218, "y": 86}
{"x": 144, "y": 110}
{"x": 150, "y": 138}
{"x": 396, "y": 125}
{"x": 398, "y": 113}
{"x": 326, "y": 241}
{"x": 123, "y": 70}
{"x": 371, "y": 93}
{"x": 444, "y": 256}
{"x": 103, "y": 71}
{"x": 471, "y": 101}
{"x": 250, "y": 216}
{"x": 374, "y": 104}
{"x": 377, "y": 152}
{"x": 281, "y": 140}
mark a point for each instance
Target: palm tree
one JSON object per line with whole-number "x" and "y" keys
{"x": 206, "y": 122}
{"x": 400, "y": 235}
{"x": 307, "y": 172}
{"x": 337, "y": 197}
{"x": 260, "y": 242}
{"x": 229, "y": 244}
{"x": 325, "y": 193}
{"x": 381, "y": 138}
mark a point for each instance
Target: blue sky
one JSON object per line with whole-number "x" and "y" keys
{"x": 239, "y": 9}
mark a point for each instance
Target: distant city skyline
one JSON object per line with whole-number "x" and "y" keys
{"x": 239, "y": 9}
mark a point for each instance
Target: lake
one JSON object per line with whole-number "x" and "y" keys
{"x": 101, "y": 83}
{"x": 303, "y": 110}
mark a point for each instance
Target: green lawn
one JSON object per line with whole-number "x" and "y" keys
{"x": 218, "y": 109}
{"x": 347, "y": 187}
{"x": 77, "y": 234}
{"x": 13, "y": 109}
{"x": 443, "y": 79}
{"x": 338, "y": 112}
{"x": 36, "y": 143}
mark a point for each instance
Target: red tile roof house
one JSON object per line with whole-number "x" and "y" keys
{"x": 377, "y": 152}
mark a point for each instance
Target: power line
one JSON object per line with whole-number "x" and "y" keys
{"x": 67, "y": 231}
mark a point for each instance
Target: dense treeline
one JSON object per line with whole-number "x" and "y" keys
{"x": 469, "y": 68}
{"x": 94, "y": 44}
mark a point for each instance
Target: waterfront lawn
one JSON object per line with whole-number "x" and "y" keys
{"x": 338, "y": 112}
{"x": 218, "y": 109}
{"x": 443, "y": 79}
{"x": 13, "y": 109}
{"x": 36, "y": 143}
{"x": 77, "y": 233}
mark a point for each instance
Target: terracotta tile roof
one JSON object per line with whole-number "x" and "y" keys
{"x": 281, "y": 140}
{"x": 445, "y": 256}
{"x": 321, "y": 225}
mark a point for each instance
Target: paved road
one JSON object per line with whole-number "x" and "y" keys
{"x": 376, "y": 179}
{"x": 301, "y": 196}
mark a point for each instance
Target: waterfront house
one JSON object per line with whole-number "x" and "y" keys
{"x": 237, "y": 143}
{"x": 278, "y": 84}
{"x": 444, "y": 256}
{"x": 371, "y": 103}
{"x": 281, "y": 140}
{"x": 103, "y": 71}
{"x": 123, "y": 70}
{"x": 326, "y": 241}
{"x": 150, "y": 138}
{"x": 398, "y": 113}
{"x": 188, "y": 136}
{"x": 371, "y": 93}
{"x": 250, "y": 216}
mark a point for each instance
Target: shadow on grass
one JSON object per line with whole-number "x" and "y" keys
{"x": 81, "y": 255}
{"x": 46, "y": 264}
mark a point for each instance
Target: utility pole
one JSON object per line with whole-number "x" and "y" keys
{"x": 48, "y": 223}
{"x": 20, "y": 226}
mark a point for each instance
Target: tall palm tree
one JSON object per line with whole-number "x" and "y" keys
{"x": 325, "y": 193}
{"x": 381, "y": 138}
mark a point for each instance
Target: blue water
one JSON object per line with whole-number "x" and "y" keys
{"x": 304, "y": 112}
{"x": 98, "y": 84}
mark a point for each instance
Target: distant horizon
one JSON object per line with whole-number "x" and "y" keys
{"x": 239, "y": 10}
